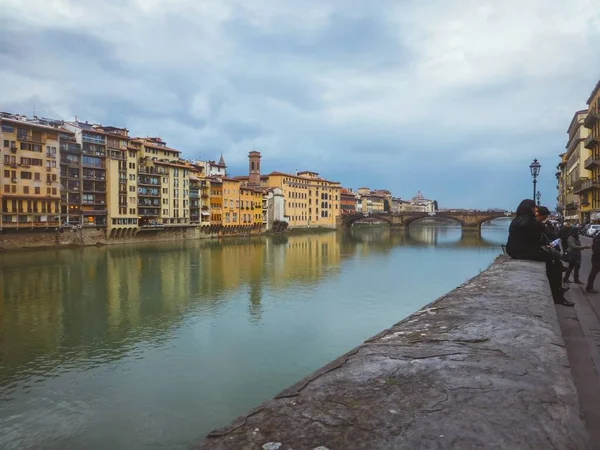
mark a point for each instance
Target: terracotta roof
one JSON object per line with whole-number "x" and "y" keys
{"x": 31, "y": 124}
{"x": 301, "y": 178}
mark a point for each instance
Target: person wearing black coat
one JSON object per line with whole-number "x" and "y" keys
{"x": 527, "y": 240}
{"x": 595, "y": 265}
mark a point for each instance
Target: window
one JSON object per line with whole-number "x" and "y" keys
{"x": 25, "y": 175}
{"x": 36, "y": 176}
{"x": 131, "y": 188}
{"x": 7, "y": 188}
{"x": 37, "y": 190}
{"x": 7, "y": 174}
{"x": 53, "y": 191}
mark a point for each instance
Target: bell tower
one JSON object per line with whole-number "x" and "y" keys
{"x": 254, "y": 168}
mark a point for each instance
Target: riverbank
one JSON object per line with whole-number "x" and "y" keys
{"x": 477, "y": 368}
{"x": 15, "y": 241}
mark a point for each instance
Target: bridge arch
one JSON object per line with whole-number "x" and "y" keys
{"x": 412, "y": 219}
{"x": 351, "y": 219}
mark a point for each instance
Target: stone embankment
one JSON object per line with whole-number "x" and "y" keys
{"x": 483, "y": 367}
{"x": 25, "y": 239}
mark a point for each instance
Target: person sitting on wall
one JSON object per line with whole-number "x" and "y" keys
{"x": 525, "y": 241}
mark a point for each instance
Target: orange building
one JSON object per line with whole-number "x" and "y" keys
{"x": 347, "y": 201}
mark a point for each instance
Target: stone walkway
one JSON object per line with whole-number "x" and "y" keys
{"x": 483, "y": 367}
{"x": 581, "y": 331}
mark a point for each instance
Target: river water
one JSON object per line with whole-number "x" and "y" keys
{"x": 150, "y": 346}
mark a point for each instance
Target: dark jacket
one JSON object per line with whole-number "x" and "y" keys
{"x": 564, "y": 234}
{"x": 525, "y": 235}
{"x": 550, "y": 232}
{"x": 596, "y": 248}
{"x": 575, "y": 248}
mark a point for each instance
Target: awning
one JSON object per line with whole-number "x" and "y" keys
{"x": 205, "y": 213}
{"x": 595, "y": 216}
{"x": 571, "y": 217}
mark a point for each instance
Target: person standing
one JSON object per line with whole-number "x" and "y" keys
{"x": 564, "y": 234}
{"x": 574, "y": 256}
{"x": 595, "y": 265}
{"x": 525, "y": 236}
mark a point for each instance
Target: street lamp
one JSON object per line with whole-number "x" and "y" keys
{"x": 535, "y": 167}
{"x": 538, "y": 196}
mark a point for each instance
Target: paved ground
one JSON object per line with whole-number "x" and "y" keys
{"x": 581, "y": 331}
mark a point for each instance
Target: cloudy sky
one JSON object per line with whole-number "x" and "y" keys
{"x": 452, "y": 97}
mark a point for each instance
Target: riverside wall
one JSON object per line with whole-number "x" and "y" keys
{"x": 482, "y": 367}
{"x": 11, "y": 240}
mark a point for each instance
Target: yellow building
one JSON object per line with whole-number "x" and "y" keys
{"x": 591, "y": 188}
{"x": 250, "y": 206}
{"x": 231, "y": 201}
{"x": 216, "y": 201}
{"x": 310, "y": 201}
{"x": 29, "y": 185}
{"x": 573, "y": 170}
{"x": 163, "y": 172}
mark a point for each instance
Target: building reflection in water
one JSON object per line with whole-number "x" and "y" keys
{"x": 87, "y": 305}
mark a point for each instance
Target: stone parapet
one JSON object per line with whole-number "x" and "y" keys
{"x": 482, "y": 367}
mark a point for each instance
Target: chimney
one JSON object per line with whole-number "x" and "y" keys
{"x": 254, "y": 168}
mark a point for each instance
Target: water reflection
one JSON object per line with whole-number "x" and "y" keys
{"x": 205, "y": 307}
{"x": 61, "y": 305}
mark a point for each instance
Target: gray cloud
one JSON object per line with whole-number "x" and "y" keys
{"x": 452, "y": 97}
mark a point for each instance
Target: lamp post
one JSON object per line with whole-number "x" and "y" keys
{"x": 538, "y": 196}
{"x": 535, "y": 167}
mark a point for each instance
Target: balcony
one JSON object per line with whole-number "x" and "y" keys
{"x": 571, "y": 206}
{"x": 591, "y": 162}
{"x": 585, "y": 185}
{"x": 70, "y": 162}
{"x": 592, "y": 118}
{"x": 591, "y": 141}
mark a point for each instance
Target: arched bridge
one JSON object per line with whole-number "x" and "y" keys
{"x": 469, "y": 220}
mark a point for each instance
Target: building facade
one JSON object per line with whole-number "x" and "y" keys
{"x": 30, "y": 182}
{"x": 92, "y": 138}
{"x": 216, "y": 201}
{"x": 590, "y": 188}
{"x": 273, "y": 207}
{"x": 348, "y": 201}
{"x": 573, "y": 171}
